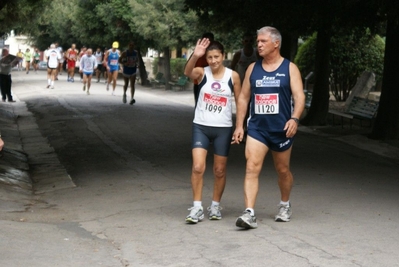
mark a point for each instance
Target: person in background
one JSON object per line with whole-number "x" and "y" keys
{"x": 20, "y": 54}
{"x": 111, "y": 60}
{"x": 53, "y": 56}
{"x": 71, "y": 56}
{"x": 36, "y": 60}
{"x": 99, "y": 55}
{"x": 5, "y": 76}
{"x": 28, "y": 58}
{"x": 87, "y": 66}
{"x": 129, "y": 59}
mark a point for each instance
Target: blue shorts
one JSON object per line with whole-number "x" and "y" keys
{"x": 87, "y": 73}
{"x": 276, "y": 141}
{"x": 220, "y": 136}
{"x": 113, "y": 68}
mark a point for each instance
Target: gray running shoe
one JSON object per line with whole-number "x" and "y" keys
{"x": 214, "y": 212}
{"x": 196, "y": 215}
{"x": 124, "y": 98}
{"x": 284, "y": 213}
{"x": 84, "y": 88}
{"x": 247, "y": 221}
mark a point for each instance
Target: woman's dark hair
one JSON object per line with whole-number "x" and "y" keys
{"x": 215, "y": 45}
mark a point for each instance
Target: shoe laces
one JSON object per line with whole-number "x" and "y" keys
{"x": 194, "y": 210}
{"x": 284, "y": 208}
{"x": 214, "y": 208}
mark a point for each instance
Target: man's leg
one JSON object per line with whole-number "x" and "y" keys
{"x": 2, "y": 87}
{"x": 285, "y": 181}
{"x": 255, "y": 153}
{"x": 48, "y": 77}
{"x": 132, "y": 88}
{"x": 8, "y": 88}
{"x": 89, "y": 83}
{"x": 84, "y": 81}
{"x": 285, "y": 178}
{"x": 125, "y": 85}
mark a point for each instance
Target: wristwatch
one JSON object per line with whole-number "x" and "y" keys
{"x": 295, "y": 119}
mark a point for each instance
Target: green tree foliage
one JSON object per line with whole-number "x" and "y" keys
{"x": 20, "y": 15}
{"x": 351, "y": 54}
{"x": 166, "y": 23}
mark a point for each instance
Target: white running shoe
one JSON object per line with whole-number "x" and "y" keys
{"x": 196, "y": 215}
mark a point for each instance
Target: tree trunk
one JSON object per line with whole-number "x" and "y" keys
{"x": 289, "y": 46}
{"x": 142, "y": 70}
{"x": 318, "y": 110}
{"x": 166, "y": 55}
{"x": 386, "y": 126}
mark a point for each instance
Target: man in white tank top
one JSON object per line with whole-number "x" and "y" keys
{"x": 244, "y": 57}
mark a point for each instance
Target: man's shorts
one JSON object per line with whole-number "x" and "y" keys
{"x": 88, "y": 73}
{"x": 71, "y": 64}
{"x": 128, "y": 75}
{"x": 100, "y": 67}
{"x": 276, "y": 141}
{"x": 220, "y": 136}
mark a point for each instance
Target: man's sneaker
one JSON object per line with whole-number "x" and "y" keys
{"x": 214, "y": 212}
{"x": 124, "y": 98}
{"x": 72, "y": 80}
{"x": 52, "y": 87}
{"x": 107, "y": 87}
{"x": 113, "y": 92}
{"x": 87, "y": 92}
{"x": 48, "y": 86}
{"x": 196, "y": 215}
{"x": 84, "y": 88}
{"x": 132, "y": 101}
{"x": 247, "y": 221}
{"x": 284, "y": 213}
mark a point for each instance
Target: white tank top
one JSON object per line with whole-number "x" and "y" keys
{"x": 214, "y": 106}
{"x": 244, "y": 62}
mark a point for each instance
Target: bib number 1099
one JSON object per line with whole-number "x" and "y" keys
{"x": 213, "y": 108}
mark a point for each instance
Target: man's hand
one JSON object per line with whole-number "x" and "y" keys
{"x": 238, "y": 136}
{"x": 291, "y": 127}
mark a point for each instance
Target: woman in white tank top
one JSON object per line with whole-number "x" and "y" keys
{"x": 218, "y": 88}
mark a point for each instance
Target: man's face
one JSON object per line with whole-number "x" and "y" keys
{"x": 265, "y": 44}
{"x": 4, "y": 52}
{"x": 73, "y": 46}
{"x": 89, "y": 52}
{"x": 131, "y": 45}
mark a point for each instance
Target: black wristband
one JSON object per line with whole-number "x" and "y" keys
{"x": 295, "y": 119}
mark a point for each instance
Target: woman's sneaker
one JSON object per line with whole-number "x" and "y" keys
{"x": 214, "y": 212}
{"x": 196, "y": 215}
{"x": 247, "y": 221}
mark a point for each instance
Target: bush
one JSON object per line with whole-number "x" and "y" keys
{"x": 351, "y": 54}
{"x": 176, "y": 66}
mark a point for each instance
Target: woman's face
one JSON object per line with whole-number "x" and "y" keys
{"x": 214, "y": 58}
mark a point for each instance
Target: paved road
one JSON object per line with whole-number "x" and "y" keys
{"x": 130, "y": 167}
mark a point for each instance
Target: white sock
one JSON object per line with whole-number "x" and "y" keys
{"x": 284, "y": 203}
{"x": 48, "y": 81}
{"x": 214, "y": 203}
{"x": 251, "y": 210}
{"x": 197, "y": 203}
{"x": 52, "y": 83}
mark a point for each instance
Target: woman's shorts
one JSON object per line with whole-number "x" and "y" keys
{"x": 219, "y": 136}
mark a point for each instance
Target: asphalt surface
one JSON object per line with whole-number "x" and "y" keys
{"x": 90, "y": 181}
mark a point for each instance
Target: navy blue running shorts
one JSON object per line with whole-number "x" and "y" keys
{"x": 220, "y": 137}
{"x": 276, "y": 141}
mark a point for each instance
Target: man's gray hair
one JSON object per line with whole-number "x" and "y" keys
{"x": 274, "y": 34}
